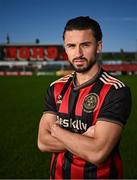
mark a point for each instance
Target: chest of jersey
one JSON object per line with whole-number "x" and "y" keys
{"x": 78, "y": 109}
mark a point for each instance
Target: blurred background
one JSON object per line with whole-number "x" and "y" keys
{"x": 32, "y": 56}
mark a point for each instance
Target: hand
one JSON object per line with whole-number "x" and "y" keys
{"x": 90, "y": 131}
{"x": 55, "y": 130}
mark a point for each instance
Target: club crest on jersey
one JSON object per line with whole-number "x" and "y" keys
{"x": 90, "y": 102}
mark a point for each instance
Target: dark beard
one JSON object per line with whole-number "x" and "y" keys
{"x": 83, "y": 69}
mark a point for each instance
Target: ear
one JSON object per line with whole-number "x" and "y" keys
{"x": 99, "y": 47}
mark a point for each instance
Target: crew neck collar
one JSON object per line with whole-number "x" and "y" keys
{"x": 90, "y": 81}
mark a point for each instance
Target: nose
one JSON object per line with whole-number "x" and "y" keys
{"x": 79, "y": 51}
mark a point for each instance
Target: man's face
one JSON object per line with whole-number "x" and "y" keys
{"x": 81, "y": 48}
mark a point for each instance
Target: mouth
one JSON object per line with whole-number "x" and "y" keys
{"x": 79, "y": 62}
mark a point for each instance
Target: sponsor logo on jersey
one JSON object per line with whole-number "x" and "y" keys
{"x": 90, "y": 102}
{"x": 74, "y": 125}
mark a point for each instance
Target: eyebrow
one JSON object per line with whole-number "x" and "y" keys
{"x": 86, "y": 42}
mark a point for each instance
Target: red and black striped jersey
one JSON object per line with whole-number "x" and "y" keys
{"x": 104, "y": 97}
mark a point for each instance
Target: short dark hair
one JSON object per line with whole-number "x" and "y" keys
{"x": 83, "y": 23}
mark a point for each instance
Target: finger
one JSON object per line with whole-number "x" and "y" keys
{"x": 57, "y": 122}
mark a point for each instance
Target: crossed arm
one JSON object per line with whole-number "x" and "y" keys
{"x": 94, "y": 145}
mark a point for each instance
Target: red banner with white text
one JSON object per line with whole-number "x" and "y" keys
{"x": 32, "y": 52}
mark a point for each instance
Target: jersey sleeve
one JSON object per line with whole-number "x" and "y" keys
{"x": 49, "y": 101}
{"x": 116, "y": 106}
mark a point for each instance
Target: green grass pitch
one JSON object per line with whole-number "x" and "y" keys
{"x": 21, "y": 106}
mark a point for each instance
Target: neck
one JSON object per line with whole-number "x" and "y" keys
{"x": 86, "y": 76}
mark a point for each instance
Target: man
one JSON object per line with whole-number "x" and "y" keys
{"x": 84, "y": 112}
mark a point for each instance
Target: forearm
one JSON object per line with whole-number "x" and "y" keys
{"x": 77, "y": 144}
{"x": 81, "y": 147}
{"x": 49, "y": 143}
{"x": 95, "y": 145}
{"x": 46, "y": 142}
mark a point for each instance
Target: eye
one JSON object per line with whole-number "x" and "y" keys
{"x": 86, "y": 45}
{"x": 70, "y": 46}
